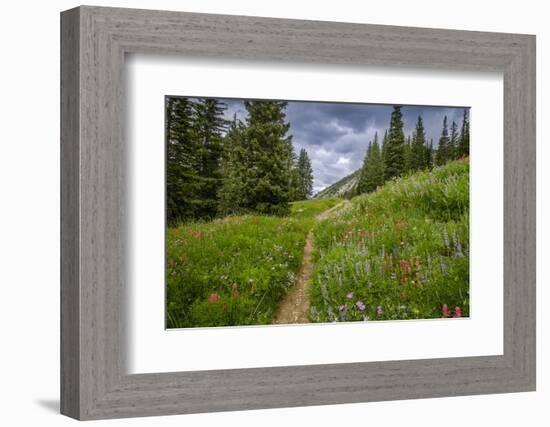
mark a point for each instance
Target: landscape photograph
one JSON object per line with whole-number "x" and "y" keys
{"x": 293, "y": 212}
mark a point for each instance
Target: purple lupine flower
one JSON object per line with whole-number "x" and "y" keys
{"x": 343, "y": 308}
{"x": 443, "y": 268}
{"x": 360, "y": 305}
{"x": 379, "y": 310}
{"x": 367, "y": 267}
{"x": 350, "y": 295}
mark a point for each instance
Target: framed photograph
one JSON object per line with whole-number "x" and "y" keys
{"x": 261, "y": 213}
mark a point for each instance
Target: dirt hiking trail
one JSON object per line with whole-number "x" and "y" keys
{"x": 295, "y": 304}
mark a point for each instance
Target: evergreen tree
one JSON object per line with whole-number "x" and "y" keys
{"x": 261, "y": 159}
{"x": 453, "y": 142}
{"x": 294, "y": 183}
{"x": 430, "y": 155}
{"x": 408, "y": 155}
{"x": 234, "y": 169}
{"x": 464, "y": 139}
{"x": 442, "y": 154}
{"x": 305, "y": 176}
{"x": 181, "y": 165}
{"x": 362, "y": 186}
{"x": 394, "y": 161}
{"x": 372, "y": 172}
{"x": 209, "y": 124}
{"x": 376, "y": 165}
{"x": 383, "y": 152}
{"x": 420, "y": 154}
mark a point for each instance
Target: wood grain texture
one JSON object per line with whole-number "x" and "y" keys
{"x": 94, "y": 273}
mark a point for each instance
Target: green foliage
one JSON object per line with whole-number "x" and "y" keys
{"x": 258, "y": 162}
{"x": 442, "y": 155}
{"x": 401, "y": 252}
{"x": 303, "y": 177}
{"x": 372, "y": 172}
{"x": 194, "y": 145}
{"x": 394, "y": 155}
{"x": 208, "y": 125}
{"x": 419, "y": 150}
{"x": 312, "y": 208}
{"x": 235, "y": 270}
{"x": 453, "y": 142}
{"x": 181, "y": 173}
{"x": 464, "y": 139}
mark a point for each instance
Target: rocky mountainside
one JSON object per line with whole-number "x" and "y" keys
{"x": 342, "y": 188}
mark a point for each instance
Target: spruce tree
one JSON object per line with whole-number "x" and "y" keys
{"x": 181, "y": 160}
{"x": 362, "y": 186}
{"x": 453, "y": 142}
{"x": 209, "y": 124}
{"x": 267, "y": 179}
{"x": 464, "y": 139}
{"x": 394, "y": 161}
{"x": 372, "y": 172}
{"x": 376, "y": 165}
{"x": 305, "y": 176}
{"x": 383, "y": 152}
{"x": 430, "y": 155}
{"x": 294, "y": 182}
{"x": 408, "y": 155}
{"x": 420, "y": 159}
{"x": 234, "y": 170}
{"x": 442, "y": 154}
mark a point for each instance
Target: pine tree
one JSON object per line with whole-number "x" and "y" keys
{"x": 209, "y": 124}
{"x": 383, "y": 152}
{"x": 294, "y": 182}
{"x": 305, "y": 176}
{"x": 362, "y": 186}
{"x": 408, "y": 155}
{"x": 464, "y": 139}
{"x": 372, "y": 172}
{"x": 394, "y": 161}
{"x": 376, "y": 165}
{"x": 442, "y": 154}
{"x": 453, "y": 142}
{"x": 420, "y": 155}
{"x": 261, "y": 182}
{"x": 234, "y": 169}
{"x": 181, "y": 164}
{"x": 430, "y": 155}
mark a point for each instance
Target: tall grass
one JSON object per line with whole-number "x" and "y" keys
{"x": 401, "y": 252}
{"x": 235, "y": 270}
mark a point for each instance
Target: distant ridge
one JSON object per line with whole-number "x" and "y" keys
{"x": 345, "y": 187}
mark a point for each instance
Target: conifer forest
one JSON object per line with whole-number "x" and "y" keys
{"x": 291, "y": 212}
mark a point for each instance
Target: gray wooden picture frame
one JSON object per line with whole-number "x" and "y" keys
{"x": 94, "y": 382}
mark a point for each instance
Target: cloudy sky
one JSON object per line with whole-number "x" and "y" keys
{"x": 336, "y": 135}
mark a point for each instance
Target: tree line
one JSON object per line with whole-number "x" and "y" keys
{"x": 217, "y": 167}
{"x": 396, "y": 155}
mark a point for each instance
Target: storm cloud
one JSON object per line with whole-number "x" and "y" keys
{"x": 336, "y": 135}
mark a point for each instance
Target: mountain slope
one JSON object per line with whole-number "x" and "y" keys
{"x": 345, "y": 187}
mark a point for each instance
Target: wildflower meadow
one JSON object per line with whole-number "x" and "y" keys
{"x": 398, "y": 253}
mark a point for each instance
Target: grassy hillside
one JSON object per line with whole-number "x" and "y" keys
{"x": 398, "y": 253}
{"x": 234, "y": 271}
{"x": 344, "y": 187}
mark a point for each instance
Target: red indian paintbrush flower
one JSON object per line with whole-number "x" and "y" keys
{"x": 458, "y": 312}
{"x": 445, "y": 310}
{"x": 214, "y": 298}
